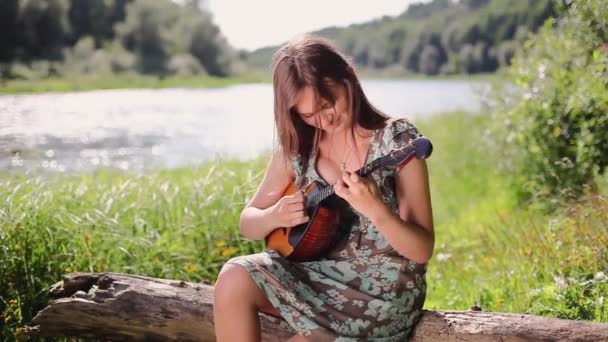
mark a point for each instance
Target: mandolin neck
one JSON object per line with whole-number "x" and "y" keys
{"x": 362, "y": 172}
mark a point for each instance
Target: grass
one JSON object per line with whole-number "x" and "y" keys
{"x": 492, "y": 253}
{"x": 93, "y": 82}
{"x": 182, "y": 224}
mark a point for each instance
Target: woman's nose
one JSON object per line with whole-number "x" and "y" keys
{"x": 329, "y": 116}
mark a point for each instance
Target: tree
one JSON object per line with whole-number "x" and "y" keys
{"x": 417, "y": 55}
{"x": 43, "y": 26}
{"x": 9, "y": 11}
{"x": 145, "y": 33}
{"x": 210, "y": 48}
{"x": 95, "y": 18}
{"x": 429, "y": 60}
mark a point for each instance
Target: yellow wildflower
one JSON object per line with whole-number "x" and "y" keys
{"x": 191, "y": 267}
{"x": 229, "y": 251}
{"x": 557, "y": 131}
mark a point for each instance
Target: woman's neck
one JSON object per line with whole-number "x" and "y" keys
{"x": 345, "y": 137}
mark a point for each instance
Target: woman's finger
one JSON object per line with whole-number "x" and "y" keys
{"x": 297, "y": 215}
{"x": 341, "y": 189}
{"x": 297, "y": 206}
{"x": 297, "y": 197}
{"x": 346, "y": 178}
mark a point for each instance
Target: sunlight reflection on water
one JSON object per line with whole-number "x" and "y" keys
{"x": 141, "y": 128}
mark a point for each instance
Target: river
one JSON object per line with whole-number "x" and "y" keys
{"x": 135, "y": 129}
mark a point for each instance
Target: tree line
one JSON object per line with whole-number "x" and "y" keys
{"x": 146, "y": 36}
{"x": 42, "y": 38}
{"x": 439, "y": 37}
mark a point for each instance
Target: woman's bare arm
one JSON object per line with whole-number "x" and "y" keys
{"x": 260, "y": 216}
{"x": 411, "y": 232}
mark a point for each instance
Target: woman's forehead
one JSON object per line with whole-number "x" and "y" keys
{"x": 305, "y": 100}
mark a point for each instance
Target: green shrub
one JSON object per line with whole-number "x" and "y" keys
{"x": 553, "y": 117}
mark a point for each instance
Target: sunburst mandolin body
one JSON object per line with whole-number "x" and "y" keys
{"x": 311, "y": 239}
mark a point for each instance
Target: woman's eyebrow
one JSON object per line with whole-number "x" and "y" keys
{"x": 323, "y": 103}
{"x": 305, "y": 113}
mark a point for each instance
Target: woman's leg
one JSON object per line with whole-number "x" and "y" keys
{"x": 236, "y": 304}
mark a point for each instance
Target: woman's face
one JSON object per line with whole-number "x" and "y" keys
{"x": 321, "y": 113}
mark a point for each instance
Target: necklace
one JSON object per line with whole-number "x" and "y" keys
{"x": 346, "y": 155}
{"x": 345, "y": 159}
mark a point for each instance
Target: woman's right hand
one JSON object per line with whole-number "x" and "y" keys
{"x": 290, "y": 210}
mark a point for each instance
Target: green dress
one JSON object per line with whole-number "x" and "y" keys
{"x": 363, "y": 290}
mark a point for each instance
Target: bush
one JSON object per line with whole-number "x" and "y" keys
{"x": 184, "y": 65}
{"x": 555, "y": 115}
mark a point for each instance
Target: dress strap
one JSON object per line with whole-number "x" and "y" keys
{"x": 296, "y": 164}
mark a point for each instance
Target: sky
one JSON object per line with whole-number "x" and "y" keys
{"x": 251, "y": 24}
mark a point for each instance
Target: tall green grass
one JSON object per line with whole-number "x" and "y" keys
{"x": 183, "y": 224}
{"x": 491, "y": 253}
{"x": 179, "y": 224}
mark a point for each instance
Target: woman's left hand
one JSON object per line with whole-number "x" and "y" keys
{"x": 362, "y": 193}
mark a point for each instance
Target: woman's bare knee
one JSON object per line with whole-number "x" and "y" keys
{"x": 234, "y": 301}
{"x": 235, "y": 286}
{"x": 231, "y": 285}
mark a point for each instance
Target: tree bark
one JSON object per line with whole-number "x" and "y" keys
{"x": 123, "y": 307}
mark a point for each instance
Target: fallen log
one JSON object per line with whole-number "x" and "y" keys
{"x": 123, "y": 307}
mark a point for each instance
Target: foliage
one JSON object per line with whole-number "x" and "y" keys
{"x": 436, "y": 37}
{"x": 95, "y": 19}
{"x": 159, "y": 37}
{"x": 556, "y": 264}
{"x": 554, "y": 116}
{"x": 440, "y": 36}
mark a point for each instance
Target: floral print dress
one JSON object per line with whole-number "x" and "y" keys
{"x": 363, "y": 290}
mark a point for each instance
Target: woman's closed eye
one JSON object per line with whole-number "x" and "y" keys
{"x": 307, "y": 115}
{"x": 324, "y": 106}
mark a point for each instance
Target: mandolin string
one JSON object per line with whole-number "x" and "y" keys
{"x": 329, "y": 190}
{"x": 364, "y": 171}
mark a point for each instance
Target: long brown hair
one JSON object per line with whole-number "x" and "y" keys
{"x": 309, "y": 60}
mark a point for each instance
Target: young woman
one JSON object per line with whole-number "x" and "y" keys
{"x": 371, "y": 285}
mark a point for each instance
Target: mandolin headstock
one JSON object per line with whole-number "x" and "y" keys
{"x": 420, "y": 148}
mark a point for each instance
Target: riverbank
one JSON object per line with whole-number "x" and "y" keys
{"x": 182, "y": 224}
{"x": 93, "y": 82}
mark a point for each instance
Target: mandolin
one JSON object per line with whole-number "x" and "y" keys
{"x": 311, "y": 240}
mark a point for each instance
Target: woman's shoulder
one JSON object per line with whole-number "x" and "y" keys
{"x": 399, "y": 129}
{"x": 282, "y": 162}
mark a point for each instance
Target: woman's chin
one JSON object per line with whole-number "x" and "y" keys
{"x": 334, "y": 128}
